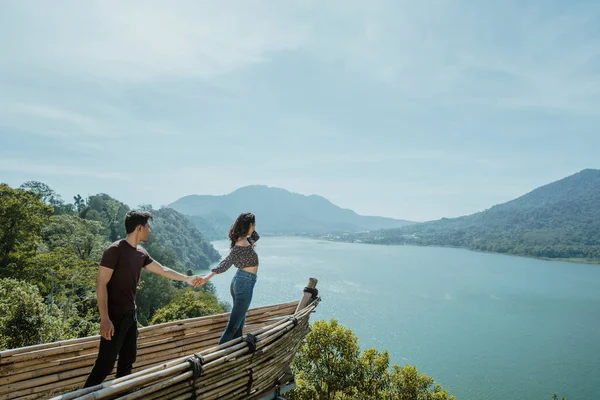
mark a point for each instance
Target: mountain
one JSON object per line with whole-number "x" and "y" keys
{"x": 279, "y": 211}
{"x": 214, "y": 225}
{"x": 172, "y": 232}
{"x": 559, "y": 220}
{"x": 177, "y": 233}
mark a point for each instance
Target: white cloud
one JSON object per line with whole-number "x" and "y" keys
{"x": 26, "y": 166}
{"x": 494, "y": 54}
{"x": 138, "y": 41}
{"x": 52, "y": 113}
{"x": 445, "y": 51}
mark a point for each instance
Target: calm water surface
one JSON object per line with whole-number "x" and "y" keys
{"x": 485, "y": 326}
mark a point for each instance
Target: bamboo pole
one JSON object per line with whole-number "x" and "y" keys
{"x": 16, "y": 376}
{"x": 239, "y": 347}
{"x": 288, "y": 358}
{"x": 306, "y": 298}
{"x": 226, "y": 369}
{"x": 285, "y": 358}
{"x": 11, "y": 355}
{"x": 93, "y": 349}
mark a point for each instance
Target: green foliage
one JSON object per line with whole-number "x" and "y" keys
{"x": 55, "y": 248}
{"x": 327, "y": 360}
{"x": 48, "y": 197}
{"x": 329, "y": 365}
{"x": 560, "y": 220}
{"x": 214, "y": 225}
{"x": 173, "y": 239}
{"x": 22, "y": 216}
{"x": 178, "y": 233}
{"x": 371, "y": 373}
{"x": 68, "y": 283}
{"x": 153, "y": 292}
{"x": 406, "y": 383}
{"x": 79, "y": 235}
{"x": 79, "y": 204}
{"x": 162, "y": 254}
{"x": 24, "y": 318}
{"x": 110, "y": 212}
{"x": 187, "y": 304}
{"x": 60, "y": 274}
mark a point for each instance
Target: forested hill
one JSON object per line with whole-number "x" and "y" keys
{"x": 172, "y": 229}
{"x": 558, "y": 220}
{"x": 178, "y": 233}
{"x": 49, "y": 255}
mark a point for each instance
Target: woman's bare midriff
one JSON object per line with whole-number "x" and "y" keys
{"x": 252, "y": 270}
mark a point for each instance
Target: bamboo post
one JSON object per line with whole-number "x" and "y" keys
{"x": 312, "y": 284}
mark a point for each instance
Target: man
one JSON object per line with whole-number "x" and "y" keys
{"x": 118, "y": 276}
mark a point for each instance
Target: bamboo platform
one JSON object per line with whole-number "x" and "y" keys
{"x": 174, "y": 360}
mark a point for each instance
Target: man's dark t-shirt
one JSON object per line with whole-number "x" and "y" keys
{"x": 127, "y": 262}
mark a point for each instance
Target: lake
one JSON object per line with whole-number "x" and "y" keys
{"x": 485, "y": 326}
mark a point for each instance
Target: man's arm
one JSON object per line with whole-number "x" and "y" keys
{"x": 166, "y": 272}
{"x": 107, "y": 329}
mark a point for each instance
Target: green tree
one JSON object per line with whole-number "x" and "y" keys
{"x": 79, "y": 235}
{"x": 22, "y": 216}
{"x": 61, "y": 276}
{"x": 406, "y": 383}
{"x": 329, "y": 365}
{"x": 68, "y": 283}
{"x": 187, "y": 304}
{"x": 153, "y": 292}
{"x": 325, "y": 364}
{"x": 24, "y": 318}
{"x": 79, "y": 203}
{"x": 49, "y": 197}
{"x": 178, "y": 233}
{"x": 162, "y": 254}
{"x": 110, "y": 212}
{"x": 372, "y": 378}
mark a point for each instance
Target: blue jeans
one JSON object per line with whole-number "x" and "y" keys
{"x": 242, "y": 286}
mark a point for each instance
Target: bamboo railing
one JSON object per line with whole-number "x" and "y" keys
{"x": 174, "y": 359}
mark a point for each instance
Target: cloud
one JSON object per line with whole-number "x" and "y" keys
{"x": 542, "y": 56}
{"x": 25, "y": 166}
{"x": 141, "y": 41}
{"x": 57, "y": 122}
{"x": 497, "y": 55}
{"x": 340, "y": 98}
{"x": 52, "y": 113}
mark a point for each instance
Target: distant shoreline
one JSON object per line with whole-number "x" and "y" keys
{"x": 569, "y": 260}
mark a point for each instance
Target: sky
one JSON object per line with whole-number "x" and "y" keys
{"x": 408, "y": 109}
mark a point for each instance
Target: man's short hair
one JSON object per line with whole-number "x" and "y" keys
{"x": 134, "y": 218}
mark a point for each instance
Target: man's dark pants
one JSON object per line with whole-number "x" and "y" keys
{"x": 123, "y": 345}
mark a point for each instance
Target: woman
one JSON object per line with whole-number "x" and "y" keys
{"x": 242, "y": 255}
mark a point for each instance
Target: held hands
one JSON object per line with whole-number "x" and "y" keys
{"x": 196, "y": 281}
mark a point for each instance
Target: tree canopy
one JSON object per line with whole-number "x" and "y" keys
{"x": 49, "y": 255}
{"x": 329, "y": 365}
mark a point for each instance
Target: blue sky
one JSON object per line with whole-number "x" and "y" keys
{"x": 407, "y": 109}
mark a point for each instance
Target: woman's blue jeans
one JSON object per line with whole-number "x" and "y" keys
{"x": 242, "y": 286}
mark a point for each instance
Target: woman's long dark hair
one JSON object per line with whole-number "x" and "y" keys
{"x": 240, "y": 227}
